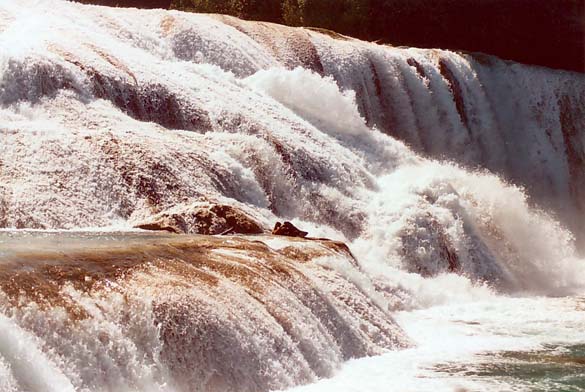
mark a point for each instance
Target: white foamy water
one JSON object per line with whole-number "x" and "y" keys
{"x": 457, "y": 182}
{"x": 454, "y": 342}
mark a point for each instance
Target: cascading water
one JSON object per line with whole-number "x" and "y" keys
{"x": 115, "y": 119}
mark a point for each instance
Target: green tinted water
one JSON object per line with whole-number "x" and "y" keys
{"x": 553, "y": 368}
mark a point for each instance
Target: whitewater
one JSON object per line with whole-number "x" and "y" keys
{"x": 445, "y": 193}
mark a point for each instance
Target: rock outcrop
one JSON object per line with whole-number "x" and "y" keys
{"x": 202, "y": 218}
{"x": 199, "y": 313}
{"x": 288, "y": 229}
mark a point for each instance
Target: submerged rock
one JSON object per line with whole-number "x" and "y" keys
{"x": 202, "y": 218}
{"x": 200, "y": 313}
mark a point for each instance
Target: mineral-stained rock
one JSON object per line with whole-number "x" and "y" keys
{"x": 288, "y": 229}
{"x": 207, "y": 313}
{"x": 202, "y": 218}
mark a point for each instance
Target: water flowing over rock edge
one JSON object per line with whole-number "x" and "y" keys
{"x": 182, "y": 312}
{"x": 150, "y": 119}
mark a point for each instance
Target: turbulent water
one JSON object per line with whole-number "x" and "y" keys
{"x": 457, "y": 180}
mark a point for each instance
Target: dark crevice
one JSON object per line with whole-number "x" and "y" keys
{"x": 456, "y": 90}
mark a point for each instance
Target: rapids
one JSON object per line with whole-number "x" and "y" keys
{"x": 137, "y": 311}
{"x": 456, "y": 179}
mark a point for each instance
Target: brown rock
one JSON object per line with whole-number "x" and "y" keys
{"x": 288, "y": 229}
{"x": 203, "y": 218}
{"x": 161, "y": 225}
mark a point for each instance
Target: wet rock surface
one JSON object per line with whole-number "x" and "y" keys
{"x": 288, "y": 229}
{"x": 202, "y": 218}
{"x": 204, "y": 313}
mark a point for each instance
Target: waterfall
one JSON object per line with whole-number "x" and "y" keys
{"x": 451, "y": 177}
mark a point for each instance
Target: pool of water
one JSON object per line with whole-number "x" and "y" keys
{"x": 554, "y": 368}
{"x": 497, "y": 345}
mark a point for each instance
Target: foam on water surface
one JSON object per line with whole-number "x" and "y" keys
{"x": 455, "y": 342}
